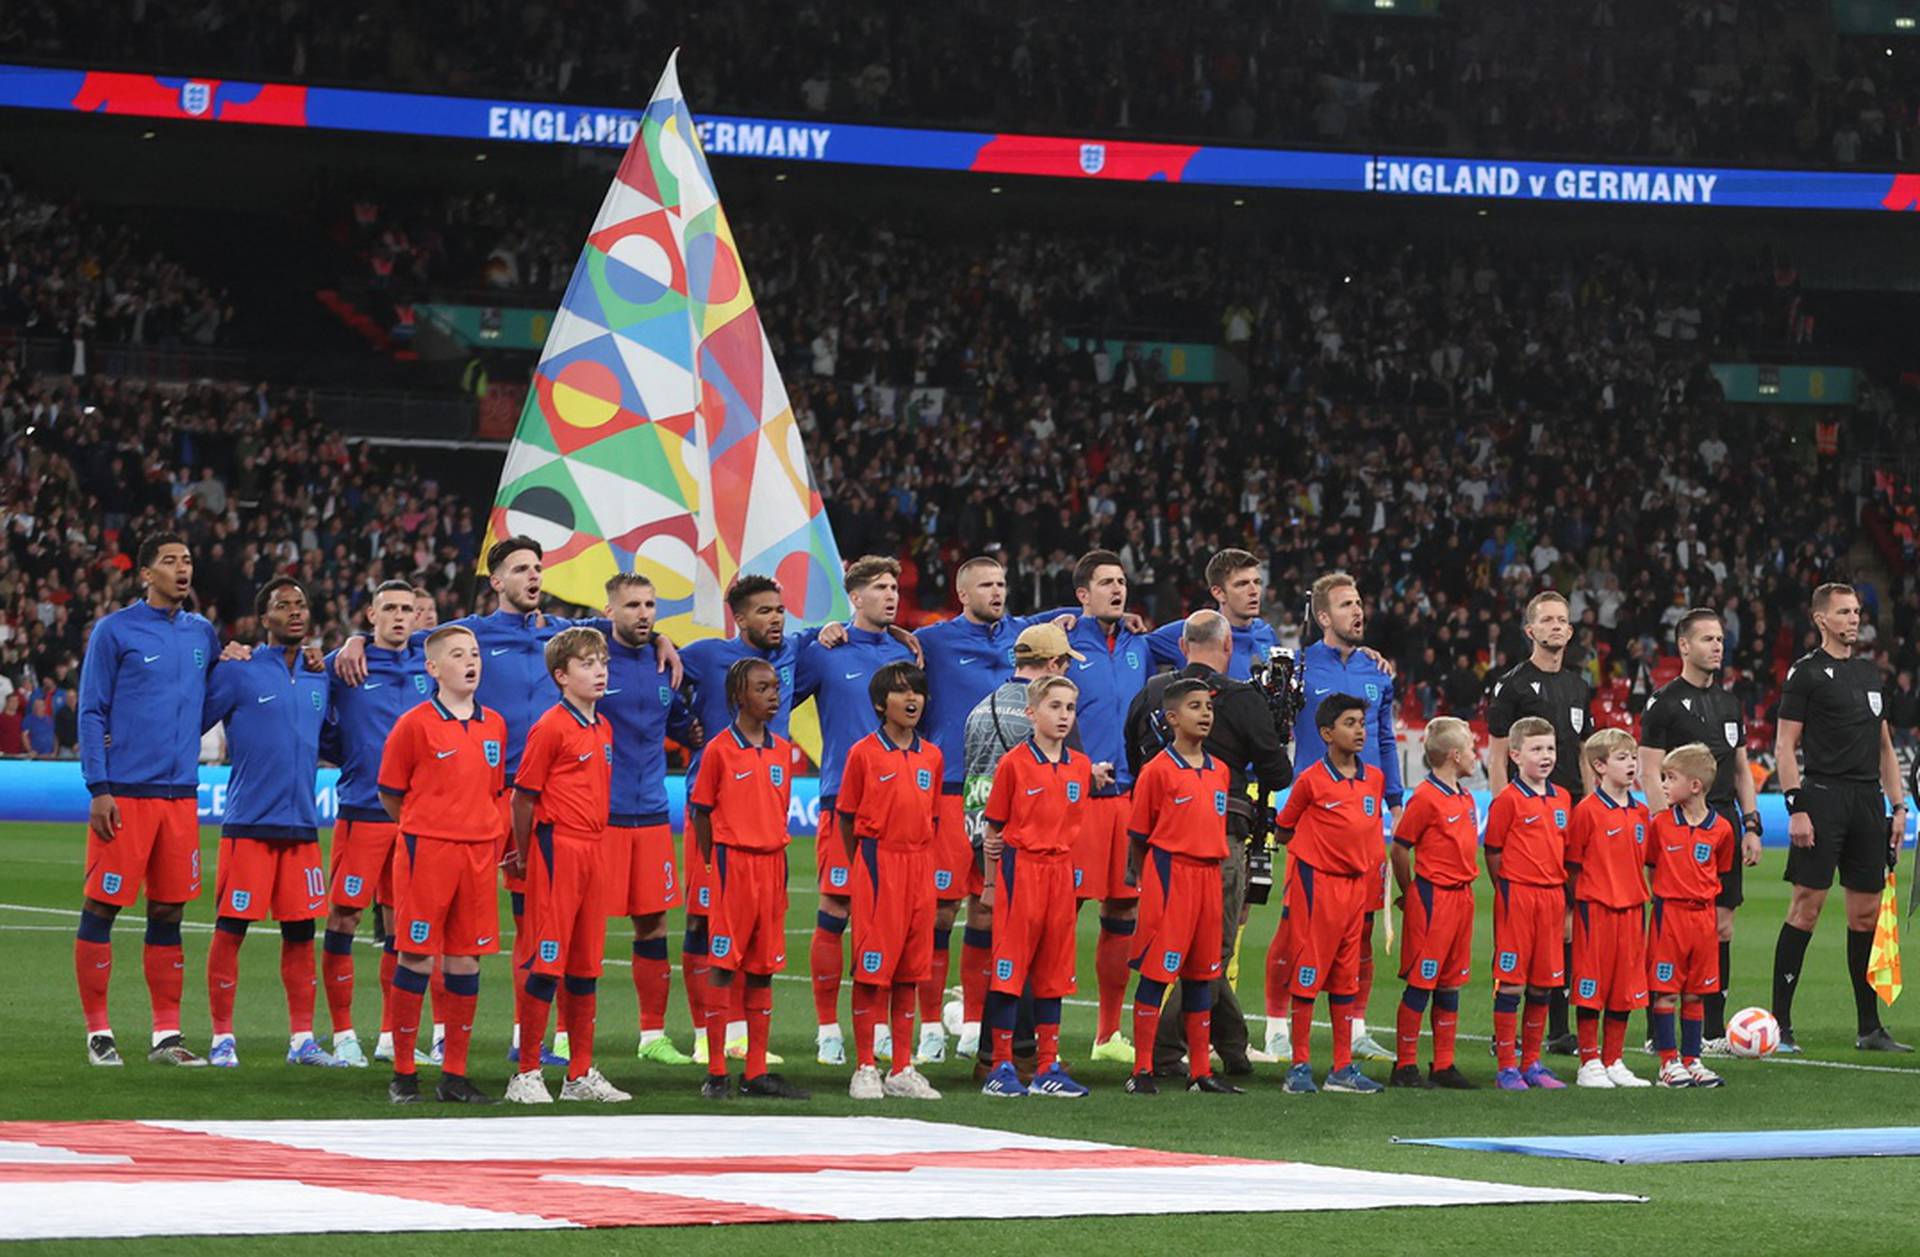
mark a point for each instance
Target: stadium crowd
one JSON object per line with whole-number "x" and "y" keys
{"x": 1746, "y": 80}
{"x": 70, "y": 272}
{"x": 1462, "y": 425}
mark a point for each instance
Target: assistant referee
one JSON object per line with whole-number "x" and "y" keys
{"x": 1832, "y": 711}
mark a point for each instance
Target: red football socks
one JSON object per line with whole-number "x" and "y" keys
{"x": 389, "y": 961}
{"x": 693, "y": 977}
{"x": 406, "y": 1027}
{"x": 223, "y": 975}
{"x": 1533, "y": 1032}
{"x": 531, "y": 1012}
{"x": 905, "y": 996}
{"x": 715, "y": 1021}
{"x": 652, "y": 982}
{"x": 1342, "y": 1033}
{"x": 1301, "y": 1026}
{"x": 1279, "y": 975}
{"x": 1613, "y": 1037}
{"x": 1199, "y": 1044}
{"x": 458, "y": 1010}
{"x": 759, "y": 1010}
{"x": 93, "y": 969}
{"x": 578, "y": 1010}
{"x": 336, "y": 972}
{"x": 1506, "y": 1024}
{"x": 1110, "y": 967}
{"x": 297, "y": 976}
{"x": 933, "y": 991}
{"x": 825, "y": 959}
{"x": 1146, "y": 1026}
{"x": 1047, "y": 1046}
{"x": 1003, "y": 1046}
{"x": 166, "y": 975}
{"x": 868, "y": 1001}
{"x": 1587, "y": 1023}
{"x": 976, "y": 963}
{"x": 1406, "y": 1041}
{"x": 1446, "y": 1029}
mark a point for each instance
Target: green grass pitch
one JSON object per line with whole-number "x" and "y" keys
{"x": 1803, "y": 1206}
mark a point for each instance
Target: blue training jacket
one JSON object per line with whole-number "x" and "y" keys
{"x": 705, "y": 663}
{"x": 965, "y": 663}
{"x": 513, "y": 670}
{"x": 274, "y": 716}
{"x": 1324, "y": 673}
{"x": 359, "y": 718}
{"x": 1116, "y": 668}
{"x": 644, "y": 709}
{"x": 1249, "y": 644}
{"x": 837, "y": 680}
{"x": 142, "y": 688}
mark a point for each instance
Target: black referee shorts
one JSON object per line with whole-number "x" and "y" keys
{"x": 1849, "y": 835}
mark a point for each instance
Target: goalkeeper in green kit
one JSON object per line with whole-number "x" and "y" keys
{"x": 997, "y": 724}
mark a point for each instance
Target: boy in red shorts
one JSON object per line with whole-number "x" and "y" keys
{"x": 738, "y": 808}
{"x": 441, "y": 777}
{"x": 1438, "y": 833}
{"x": 1033, "y": 818}
{"x": 1606, "y": 861}
{"x": 1527, "y": 863}
{"x": 1176, "y": 840}
{"x": 886, "y": 807}
{"x": 560, "y": 813}
{"x": 1332, "y": 827}
{"x": 1691, "y": 846}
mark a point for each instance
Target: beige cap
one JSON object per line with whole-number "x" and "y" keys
{"x": 1043, "y": 641}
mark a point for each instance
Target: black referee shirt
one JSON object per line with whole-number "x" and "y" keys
{"x": 1563, "y": 699}
{"x": 1839, "y": 703}
{"x": 1681, "y": 712}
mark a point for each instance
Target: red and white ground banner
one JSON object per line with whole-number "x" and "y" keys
{"x": 77, "y": 1180}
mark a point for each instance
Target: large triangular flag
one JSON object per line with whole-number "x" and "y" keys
{"x": 657, "y": 436}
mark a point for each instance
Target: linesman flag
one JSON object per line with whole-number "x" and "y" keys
{"x": 1883, "y": 962}
{"x": 657, "y": 436}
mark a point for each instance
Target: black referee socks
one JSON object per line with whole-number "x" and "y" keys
{"x": 1866, "y": 1013}
{"x": 1788, "y": 955}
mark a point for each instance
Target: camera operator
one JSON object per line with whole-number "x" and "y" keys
{"x": 1243, "y": 737}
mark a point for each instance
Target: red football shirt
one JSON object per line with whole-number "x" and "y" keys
{"x": 1439, "y": 826}
{"x": 745, "y": 788}
{"x": 891, "y": 791}
{"x": 448, "y": 772}
{"x": 1608, "y": 842}
{"x": 567, "y": 767}
{"x": 1182, "y": 809}
{"x": 1337, "y": 821}
{"x": 1035, "y": 800}
{"x": 1531, "y": 830}
{"x": 1688, "y": 860}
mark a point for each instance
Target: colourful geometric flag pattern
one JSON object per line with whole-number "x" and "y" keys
{"x": 1883, "y": 962}
{"x": 657, "y": 436}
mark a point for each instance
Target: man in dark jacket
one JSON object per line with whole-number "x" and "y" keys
{"x": 1244, "y": 738}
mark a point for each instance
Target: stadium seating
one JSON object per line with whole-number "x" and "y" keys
{"x": 1757, "y": 82}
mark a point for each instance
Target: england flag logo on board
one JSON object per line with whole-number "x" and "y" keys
{"x": 1093, "y": 158}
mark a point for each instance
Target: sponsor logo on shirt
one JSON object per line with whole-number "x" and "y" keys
{"x": 148, "y": 658}
{"x": 444, "y": 754}
{"x": 499, "y": 650}
{"x": 265, "y": 698}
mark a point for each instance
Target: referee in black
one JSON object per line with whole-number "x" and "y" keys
{"x": 1542, "y": 685}
{"x": 1833, "y": 712}
{"x": 1245, "y": 739}
{"x": 1695, "y": 707}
